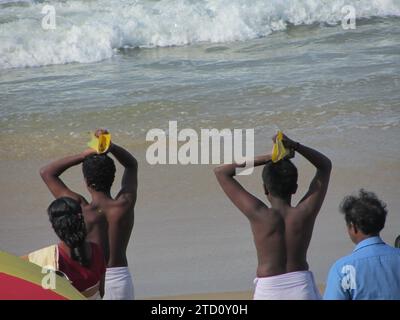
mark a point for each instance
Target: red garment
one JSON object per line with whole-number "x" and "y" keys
{"x": 83, "y": 278}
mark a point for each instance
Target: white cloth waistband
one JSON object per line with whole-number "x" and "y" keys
{"x": 118, "y": 284}
{"x": 299, "y": 285}
{"x": 117, "y": 271}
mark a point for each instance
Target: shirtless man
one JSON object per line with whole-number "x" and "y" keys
{"x": 282, "y": 233}
{"x": 109, "y": 220}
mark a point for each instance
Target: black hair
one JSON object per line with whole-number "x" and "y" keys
{"x": 99, "y": 172}
{"x": 280, "y": 178}
{"x": 66, "y": 217}
{"x": 364, "y": 211}
{"x": 397, "y": 242}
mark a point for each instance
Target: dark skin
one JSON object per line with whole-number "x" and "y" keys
{"x": 282, "y": 232}
{"x": 109, "y": 221}
{"x": 356, "y": 235}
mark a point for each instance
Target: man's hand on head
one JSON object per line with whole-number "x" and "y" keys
{"x": 287, "y": 142}
{"x": 291, "y": 154}
{"x": 100, "y": 131}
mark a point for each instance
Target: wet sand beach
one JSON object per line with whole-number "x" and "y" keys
{"x": 188, "y": 238}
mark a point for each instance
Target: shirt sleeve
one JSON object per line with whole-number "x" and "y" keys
{"x": 334, "y": 290}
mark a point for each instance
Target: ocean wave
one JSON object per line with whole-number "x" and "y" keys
{"x": 89, "y": 31}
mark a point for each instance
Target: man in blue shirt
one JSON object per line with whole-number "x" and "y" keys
{"x": 372, "y": 271}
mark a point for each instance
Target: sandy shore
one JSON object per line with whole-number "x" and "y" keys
{"x": 188, "y": 237}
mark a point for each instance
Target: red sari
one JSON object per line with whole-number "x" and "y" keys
{"x": 85, "y": 279}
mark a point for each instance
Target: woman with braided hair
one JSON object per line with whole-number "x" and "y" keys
{"x": 82, "y": 262}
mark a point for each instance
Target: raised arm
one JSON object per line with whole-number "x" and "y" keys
{"x": 241, "y": 198}
{"x": 129, "y": 182}
{"x": 51, "y": 175}
{"x": 313, "y": 199}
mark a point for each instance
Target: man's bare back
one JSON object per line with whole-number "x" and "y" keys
{"x": 281, "y": 233}
{"x": 110, "y": 225}
{"x": 289, "y": 237}
{"x": 109, "y": 221}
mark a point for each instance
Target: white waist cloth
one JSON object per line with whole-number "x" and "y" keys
{"x": 118, "y": 284}
{"x": 299, "y": 285}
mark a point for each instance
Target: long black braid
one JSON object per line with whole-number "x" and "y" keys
{"x": 66, "y": 217}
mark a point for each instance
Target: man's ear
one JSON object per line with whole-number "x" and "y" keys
{"x": 352, "y": 228}
{"x": 265, "y": 189}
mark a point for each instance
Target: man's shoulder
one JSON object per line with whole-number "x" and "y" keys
{"x": 269, "y": 215}
{"x": 364, "y": 254}
{"x": 113, "y": 207}
{"x": 118, "y": 208}
{"x": 390, "y": 249}
{"x": 389, "y": 252}
{"x": 301, "y": 215}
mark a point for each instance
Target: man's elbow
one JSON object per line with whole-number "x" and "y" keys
{"x": 218, "y": 170}
{"x": 328, "y": 166}
{"x": 43, "y": 172}
{"x": 133, "y": 164}
{"x": 224, "y": 171}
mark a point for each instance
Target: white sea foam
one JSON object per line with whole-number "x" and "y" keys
{"x": 89, "y": 30}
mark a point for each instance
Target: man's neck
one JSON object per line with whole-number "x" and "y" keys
{"x": 363, "y": 237}
{"x": 98, "y": 196}
{"x": 278, "y": 203}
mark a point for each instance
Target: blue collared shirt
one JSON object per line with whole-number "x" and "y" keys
{"x": 370, "y": 272}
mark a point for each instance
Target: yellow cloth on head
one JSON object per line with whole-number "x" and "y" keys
{"x": 101, "y": 143}
{"x": 278, "y": 150}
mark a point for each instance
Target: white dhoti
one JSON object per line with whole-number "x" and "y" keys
{"x": 299, "y": 285}
{"x": 118, "y": 284}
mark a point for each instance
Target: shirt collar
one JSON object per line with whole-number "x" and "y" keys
{"x": 368, "y": 242}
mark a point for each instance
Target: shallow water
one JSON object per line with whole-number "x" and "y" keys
{"x": 308, "y": 79}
